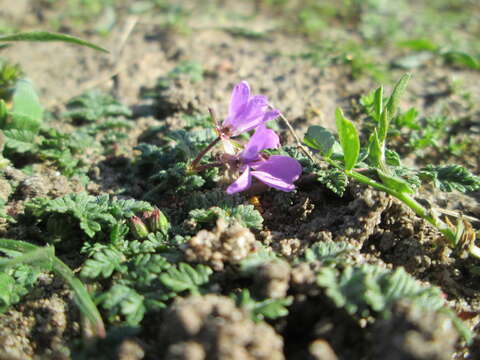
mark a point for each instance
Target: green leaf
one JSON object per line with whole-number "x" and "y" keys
{"x": 395, "y": 183}
{"x": 419, "y": 45}
{"x": 397, "y": 93}
{"x": 368, "y": 289}
{"x": 392, "y": 158}
{"x": 104, "y": 263}
{"x": 451, "y": 177}
{"x": 7, "y": 291}
{"x": 349, "y": 140}
{"x": 375, "y": 151}
{"x": 3, "y": 114}
{"x": 462, "y": 328}
{"x": 333, "y": 179}
{"x": 408, "y": 119}
{"x": 44, "y": 36}
{"x": 378, "y": 103}
{"x": 327, "y": 252}
{"x": 383, "y": 129}
{"x": 321, "y": 139}
{"x": 248, "y": 216}
{"x": 82, "y": 297}
{"x": 93, "y": 214}
{"x": 121, "y": 299}
{"x": 94, "y": 105}
{"x": 463, "y": 59}
{"x": 145, "y": 269}
{"x": 27, "y": 113}
{"x": 259, "y": 310}
{"x": 258, "y": 258}
{"x": 185, "y": 277}
{"x": 20, "y": 141}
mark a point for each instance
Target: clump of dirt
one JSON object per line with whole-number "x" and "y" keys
{"x": 130, "y": 349}
{"x": 414, "y": 333}
{"x": 272, "y": 280}
{"x": 226, "y": 243}
{"x": 45, "y": 182}
{"x": 303, "y": 277}
{"x": 406, "y": 240}
{"x": 354, "y": 221}
{"x": 213, "y": 327}
{"x": 42, "y": 326}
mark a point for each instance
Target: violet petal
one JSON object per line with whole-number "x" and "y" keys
{"x": 243, "y": 182}
{"x": 250, "y": 115}
{"x": 262, "y": 139}
{"x": 271, "y": 115}
{"x": 240, "y": 96}
{"x": 278, "y": 172}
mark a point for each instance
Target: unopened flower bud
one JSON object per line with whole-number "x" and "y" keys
{"x": 138, "y": 227}
{"x": 157, "y": 221}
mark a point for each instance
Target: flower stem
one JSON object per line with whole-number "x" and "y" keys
{"x": 295, "y": 136}
{"x": 209, "y": 166}
{"x": 202, "y": 153}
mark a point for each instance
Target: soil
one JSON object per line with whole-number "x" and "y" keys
{"x": 47, "y": 325}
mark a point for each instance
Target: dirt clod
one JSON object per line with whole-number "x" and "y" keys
{"x": 130, "y": 350}
{"x": 226, "y": 243}
{"x": 212, "y": 327}
{"x": 414, "y": 333}
{"x": 271, "y": 280}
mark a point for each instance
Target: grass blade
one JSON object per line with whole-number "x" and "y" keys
{"x": 45, "y": 36}
{"x": 32, "y": 254}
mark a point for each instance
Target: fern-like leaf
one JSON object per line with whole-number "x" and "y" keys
{"x": 103, "y": 263}
{"x": 367, "y": 289}
{"x": 123, "y": 300}
{"x": 185, "y": 277}
{"x": 333, "y": 179}
{"x": 451, "y": 177}
{"x": 259, "y": 310}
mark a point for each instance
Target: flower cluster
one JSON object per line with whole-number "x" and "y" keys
{"x": 247, "y": 112}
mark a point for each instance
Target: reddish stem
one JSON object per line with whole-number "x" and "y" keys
{"x": 210, "y": 146}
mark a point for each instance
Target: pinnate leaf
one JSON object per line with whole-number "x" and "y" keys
{"x": 185, "y": 277}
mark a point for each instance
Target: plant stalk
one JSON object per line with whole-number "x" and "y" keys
{"x": 202, "y": 153}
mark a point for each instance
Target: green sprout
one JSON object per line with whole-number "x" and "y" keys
{"x": 379, "y": 172}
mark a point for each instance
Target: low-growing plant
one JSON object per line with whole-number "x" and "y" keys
{"x": 369, "y": 290}
{"x": 21, "y": 122}
{"x": 91, "y": 214}
{"x": 377, "y": 166}
{"x": 93, "y": 106}
{"x": 262, "y": 309}
{"x": 449, "y": 54}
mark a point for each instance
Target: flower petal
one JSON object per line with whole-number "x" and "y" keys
{"x": 271, "y": 115}
{"x": 262, "y": 139}
{"x": 250, "y": 115}
{"x": 240, "y": 96}
{"x": 242, "y": 183}
{"x": 278, "y": 172}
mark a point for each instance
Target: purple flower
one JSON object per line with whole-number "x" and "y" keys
{"x": 246, "y": 112}
{"x": 276, "y": 171}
